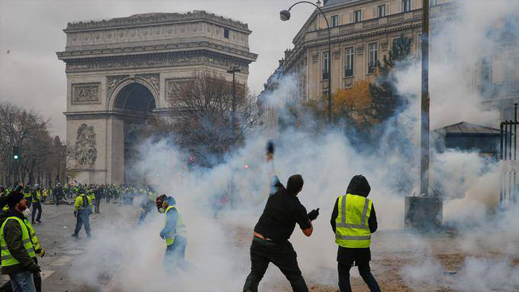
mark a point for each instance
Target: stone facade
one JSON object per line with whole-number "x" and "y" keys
{"x": 362, "y": 32}
{"x": 147, "y": 53}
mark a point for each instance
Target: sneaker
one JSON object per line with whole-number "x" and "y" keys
{"x": 38, "y": 221}
{"x": 75, "y": 235}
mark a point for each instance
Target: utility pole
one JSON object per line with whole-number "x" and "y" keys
{"x": 233, "y": 71}
{"x": 424, "y": 213}
{"x": 424, "y": 138}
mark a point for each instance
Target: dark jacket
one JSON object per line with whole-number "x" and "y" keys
{"x": 13, "y": 239}
{"x": 358, "y": 186}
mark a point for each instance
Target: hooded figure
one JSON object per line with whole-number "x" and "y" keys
{"x": 353, "y": 221}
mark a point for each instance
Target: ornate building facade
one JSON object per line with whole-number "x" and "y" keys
{"x": 122, "y": 71}
{"x": 362, "y": 32}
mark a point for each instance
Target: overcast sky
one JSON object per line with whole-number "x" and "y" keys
{"x": 31, "y": 34}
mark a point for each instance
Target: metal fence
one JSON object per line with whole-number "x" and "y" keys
{"x": 509, "y": 164}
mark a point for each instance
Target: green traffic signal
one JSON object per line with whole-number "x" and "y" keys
{"x": 15, "y": 157}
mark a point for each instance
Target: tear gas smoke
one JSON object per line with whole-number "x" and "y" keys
{"x": 218, "y": 242}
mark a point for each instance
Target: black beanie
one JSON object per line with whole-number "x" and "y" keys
{"x": 14, "y": 198}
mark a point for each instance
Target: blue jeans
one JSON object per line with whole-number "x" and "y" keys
{"x": 175, "y": 255}
{"x": 22, "y": 282}
{"x": 83, "y": 219}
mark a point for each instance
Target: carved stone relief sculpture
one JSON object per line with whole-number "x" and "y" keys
{"x": 112, "y": 82}
{"x": 173, "y": 87}
{"x": 153, "y": 79}
{"x": 85, "y": 150}
{"x": 85, "y": 93}
{"x": 384, "y": 46}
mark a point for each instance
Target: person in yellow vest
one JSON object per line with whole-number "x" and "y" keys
{"x": 353, "y": 221}
{"x": 175, "y": 235}
{"x": 18, "y": 257}
{"x": 44, "y": 194}
{"x": 36, "y": 202}
{"x": 37, "y": 247}
{"x": 27, "y": 194}
{"x": 82, "y": 210}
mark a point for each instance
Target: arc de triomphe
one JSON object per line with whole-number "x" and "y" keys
{"x": 122, "y": 71}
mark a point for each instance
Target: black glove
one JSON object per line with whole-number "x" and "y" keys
{"x": 313, "y": 214}
{"x": 270, "y": 147}
{"x": 34, "y": 269}
{"x": 75, "y": 213}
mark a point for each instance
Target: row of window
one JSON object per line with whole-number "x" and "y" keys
{"x": 349, "y": 60}
{"x": 381, "y": 11}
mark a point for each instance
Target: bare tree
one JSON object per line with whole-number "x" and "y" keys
{"x": 28, "y": 131}
{"x": 201, "y": 116}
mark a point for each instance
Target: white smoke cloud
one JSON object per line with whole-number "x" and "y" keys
{"x": 218, "y": 245}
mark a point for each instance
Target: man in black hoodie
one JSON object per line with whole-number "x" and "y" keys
{"x": 353, "y": 221}
{"x": 18, "y": 259}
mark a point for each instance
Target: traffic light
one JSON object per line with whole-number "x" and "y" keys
{"x": 16, "y": 152}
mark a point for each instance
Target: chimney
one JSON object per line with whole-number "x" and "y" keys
{"x": 287, "y": 54}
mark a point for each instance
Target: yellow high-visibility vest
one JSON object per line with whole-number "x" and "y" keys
{"x": 352, "y": 228}
{"x": 32, "y": 234}
{"x": 181, "y": 226}
{"x": 7, "y": 259}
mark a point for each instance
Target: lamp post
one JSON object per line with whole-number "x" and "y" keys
{"x": 424, "y": 137}
{"x": 285, "y": 15}
{"x": 233, "y": 70}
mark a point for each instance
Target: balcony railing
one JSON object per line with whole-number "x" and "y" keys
{"x": 325, "y": 75}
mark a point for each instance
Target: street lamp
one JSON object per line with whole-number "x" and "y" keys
{"x": 233, "y": 70}
{"x": 284, "y": 16}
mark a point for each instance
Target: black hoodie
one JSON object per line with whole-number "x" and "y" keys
{"x": 13, "y": 239}
{"x": 358, "y": 186}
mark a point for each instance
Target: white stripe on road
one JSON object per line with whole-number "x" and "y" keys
{"x": 45, "y": 274}
{"x": 62, "y": 261}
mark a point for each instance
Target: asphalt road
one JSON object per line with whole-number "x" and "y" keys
{"x": 64, "y": 252}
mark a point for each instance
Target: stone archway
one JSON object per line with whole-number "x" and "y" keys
{"x": 136, "y": 103}
{"x": 122, "y": 72}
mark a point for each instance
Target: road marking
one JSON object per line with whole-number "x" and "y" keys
{"x": 76, "y": 252}
{"x": 62, "y": 261}
{"x": 45, "y": 274}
